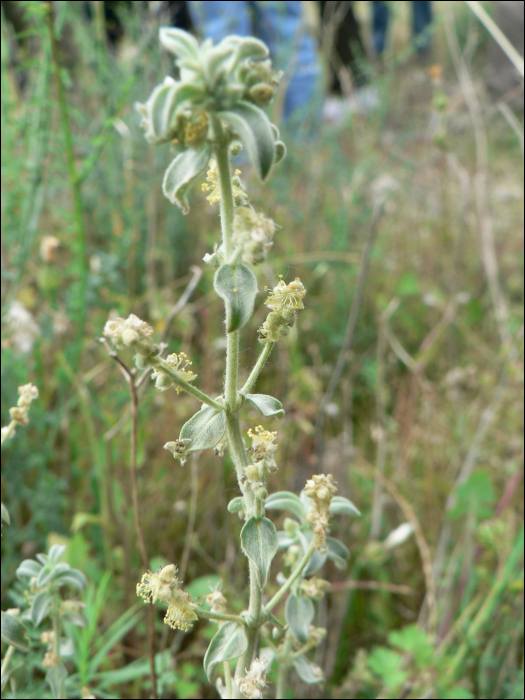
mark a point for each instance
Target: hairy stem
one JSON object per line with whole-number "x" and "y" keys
{"x": 186, "y": 386}
{"x": 235, "y": 439}
{"x": 294, "y": 576}
{"x": 220, "y": 617}
{"x": 254, "y": 374}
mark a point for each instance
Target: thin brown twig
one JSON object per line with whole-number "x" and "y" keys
{"x": 129, "y": 376}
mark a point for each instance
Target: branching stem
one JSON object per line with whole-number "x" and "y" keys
{"x": 294, "y": 576}
{"x": 254, "y": 374}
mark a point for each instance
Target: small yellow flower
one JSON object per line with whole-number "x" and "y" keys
{"x": 286, "y": 297}
{"x": 180, "y": 614}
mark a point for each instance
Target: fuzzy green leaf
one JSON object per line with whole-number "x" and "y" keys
{"x": 285, "y": 500}
{"x": 5, "y": 515}
{"x": 236, "y": 504}
{"x": 14, "y": 632}
{"x": 237, "y": 287}
{"x": 179, "y": 42}
{"x": 56, "y": 677}
{"x": 259, "y": 543}
{"x": 72, "y": 577}
{"x": 299, "y": 613}
{"x": 182, "y": 172}
{"x": 28, "y": 568}
{"x": 229, "y": 643}
{"x": 337, "y": 552}
{"x": 251, "y": 126}
{"x": 204, "y": 430}
{"x": 56, "y": 552}
{"x": 340, "y": 504}
{"x": 307, "y": 671}
{"x": 49, "y": 573}
{"x": 266, "y": 405}
{"x": 317, "y": 559}
{"x": 40, "y": 607}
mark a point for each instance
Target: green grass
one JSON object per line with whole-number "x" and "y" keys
{"x": 70, "y": 466}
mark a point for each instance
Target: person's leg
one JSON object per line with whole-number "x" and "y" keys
{"x": 422, "y": 19}
{"x": 380, "y": 16}
{"x": 347, "y": 47}
{"x": 216, "y": 20}
{"x": 280, "y": 25}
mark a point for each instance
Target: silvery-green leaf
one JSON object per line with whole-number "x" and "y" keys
{"x": 74, "y": 578}
{"x": 157, "y": 111}
{"x": 5, "y": 515}
{"x": 259, "y": 543}
{"x": 56, "y": 552}
{"x": 56, "y": 677}
{"x": 179, "y": 42}
{"x": 40, "y": 607}
{"x": 280, "y": 152}
{"x": 251, "y": 126}
{"x": 28, "y": 568}
{"x": 285, "y": 500}
{"x": 230, "y": 642}
{"x": 266, "y": 405}
{"x": 317, "y": 560}
{"x": 339, "y": 504}
{"x": 204, "y": 430}
{"x": 250, "y": 47}
{"x": 42, "y": 558}
{"x": 337, "y": 552}
{"x": 284, "y": 539}
{"x": 49, "y": 573}
{"x": 299, "y": 613}
{"x": 307, "y": 671}
{"x": 237, "y": 287}
{"x": 17, "y": 675}
{"x": 236, "y": 504}
{"x": 182, "y": 172}
{"x": 77, "y": 619}
{"x": 14, "y": 632}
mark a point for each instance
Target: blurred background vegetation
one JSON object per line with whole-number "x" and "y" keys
{"x": 424, "y": 425}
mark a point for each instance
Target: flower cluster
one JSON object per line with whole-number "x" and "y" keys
{"x": 253, "y": 683}
{"x": 314, "y": 587}
{"x": 27, "y": 394}
{"x": 263, "y": 447}
{"x": 320, "y": 488}
{"x": 19, "y": 413}
{"x": 178, "y": 449}
{"x": 178, "y": 364}
{"x": 252, "y": 235}
{"x": 216, "y": 601}
{"x": 130, "y": 332}
{"x": 165, "y": 586}
{"x": 284, "y": 300}
{"x": 211, "y": 185}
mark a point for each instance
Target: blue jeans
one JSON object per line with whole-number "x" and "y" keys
{"x": 421, "y": 20}
{"x": 279, "y": 25}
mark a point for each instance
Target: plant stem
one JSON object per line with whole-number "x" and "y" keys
{"x": 283, "y": 667}
{"x": 254, "y": 374}
{"x": 228, "y": 678}
{"x": 235, "y": 439}
{"x": 219, "y": 617}
{"x": 5, "y": 662}
{"x": 185, "y": 386}
{"x": 298, "y": 571}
